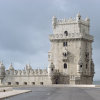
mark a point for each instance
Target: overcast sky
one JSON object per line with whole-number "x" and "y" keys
{"x": 26, "y": 24}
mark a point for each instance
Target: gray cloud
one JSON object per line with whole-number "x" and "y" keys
{"x": 26, "y": 24}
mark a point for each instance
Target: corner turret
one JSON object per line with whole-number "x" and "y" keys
{"x": 87, "y": 19}
{"x": 11, "y": 69}
{"x": 54, "y": 21}
{"x": 2, "y": 72}
{"x": 79, "y": 66}
{"x": 51, "y": 69}
{"x": 78, "y": 17}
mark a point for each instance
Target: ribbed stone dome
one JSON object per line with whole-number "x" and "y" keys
{"x": 11, "y": 67}
{"x": 1, "y": 65}
{"x": 51, "y": 65}
{"x": 78, "y": 15}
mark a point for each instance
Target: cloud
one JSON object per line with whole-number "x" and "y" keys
{"x": 26, "y": 24}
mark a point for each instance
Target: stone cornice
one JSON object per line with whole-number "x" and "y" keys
{"x": 71, "y": 36}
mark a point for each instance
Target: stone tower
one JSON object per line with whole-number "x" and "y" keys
{"x": 71, "y": 49}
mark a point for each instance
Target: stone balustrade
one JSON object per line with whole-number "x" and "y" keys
{"x": 27, "y": 72}
{"x": 71, "y": 36}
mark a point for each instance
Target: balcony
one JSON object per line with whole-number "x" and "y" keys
{"x": 65, "y": 59}
{"x": 70, "y": 36}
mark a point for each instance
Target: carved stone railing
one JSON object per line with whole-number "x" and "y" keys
{"x": 32, "y": 72}
{"x": 65, "y": 59}
{"x": 70, "y": 36}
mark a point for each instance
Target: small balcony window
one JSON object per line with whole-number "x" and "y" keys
{"x": 64, "y": 44}
{"x": 64, "y": 54}
{"x": 80, "y": 66}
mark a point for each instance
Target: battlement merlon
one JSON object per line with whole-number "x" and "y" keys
{"x": 27, "y": 71}
{"x": 31, "y": 72}
{"x": 71, "y": 20}
{"x": 77, "y": 24}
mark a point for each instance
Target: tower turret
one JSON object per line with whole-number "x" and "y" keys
{"x": 87, "y": 19}
{"x": 11, "y": 69}
{"x": 54, "y": 21}
{"x": 78, "y": 17}
{"x": 2, "y": 72}
{"x": 28, "y": 68}
{"x": 72, "y": 36}
{"x": 51, "y": 69}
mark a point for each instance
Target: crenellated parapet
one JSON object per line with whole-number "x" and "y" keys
{"x": 27, "y": 71}
{"x": 71, "y": 20}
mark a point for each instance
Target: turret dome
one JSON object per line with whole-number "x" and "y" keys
{"x": 87, "y": 19}
{"x": 28, "y": 67}
{"x": 1, "y": 65}
{"x": 78, "y": 15}
{"x": 11, "y": 67}
{"x": 51, "y": 65}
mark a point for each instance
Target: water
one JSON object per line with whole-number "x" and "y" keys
{"x": 96, "y": 82}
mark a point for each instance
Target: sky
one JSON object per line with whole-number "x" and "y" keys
{"x": 26, "y": 24}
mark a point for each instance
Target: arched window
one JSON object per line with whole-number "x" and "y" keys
{"x": 63, "y": 43}
{"x": 65, "y": 65}
{"x": 33, "y": 83}
{"x": 80, "y": 66}
{"x": 66, "y": 33}
{"x": 64, "y": 54}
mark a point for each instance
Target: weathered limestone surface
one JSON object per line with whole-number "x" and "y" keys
{"x": 70, "y": 55}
